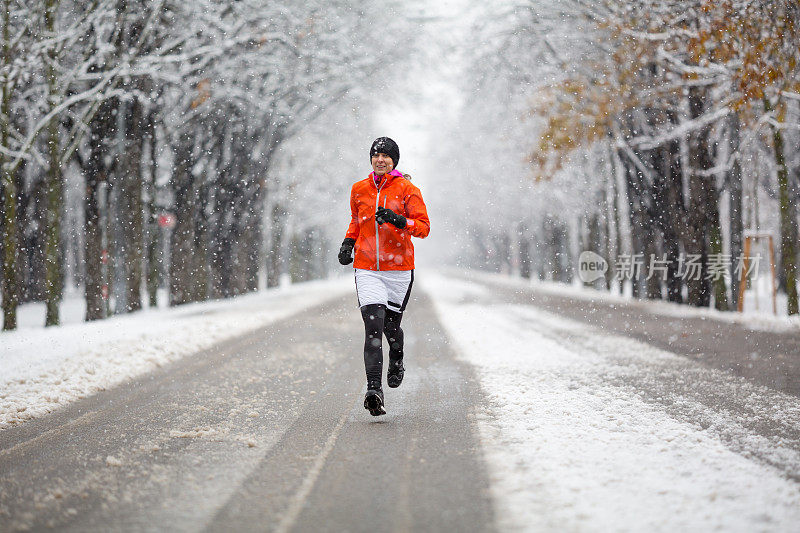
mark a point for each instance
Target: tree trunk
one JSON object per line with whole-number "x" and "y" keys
{"x": 200, "y": 244}
{"x": 524, "y": 251}
{"x": 715, "y": 246}
{"x": 652, "y": 284}
{"x": 788, "y": 217}
{"x": 605, "y": 234}
{"x": 109, "y": 240}
{"x": 10, "y": 280}
{"x": 615, "y": 205}
{"x": 93, "y": 239}
{"x": 96, "y": 173}
{"x": 153, "y": 230}
{"x": 561, "y": 269}
{"x": 657, "y": 221}
{"x": 250, "y": 223}
{"x": 675, "y": 226}
{"x": 183, "y": 237}
{"x": 132, "y": 206}
{"x": 699, "y": 187}
{"x": 252, "y": 242}
{"x": 218, "y": 253}
{"x": 278, "y": 223}
{"x": 596, "y": 240}
{"x": 54, "y": 182}
{"x": 735, "y": 192}
{"x": 636, "y": 214}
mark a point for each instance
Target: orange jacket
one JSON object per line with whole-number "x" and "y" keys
{"x": 394, "y": 245}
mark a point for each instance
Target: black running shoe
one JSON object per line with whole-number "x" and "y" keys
{"x": 394, "y": 374}
{"x": 373, "y": 401}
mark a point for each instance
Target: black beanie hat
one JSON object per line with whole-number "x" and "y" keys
{"x": 384, "y": 145}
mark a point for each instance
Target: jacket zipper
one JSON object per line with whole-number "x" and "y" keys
{"x": 377, "y": 226}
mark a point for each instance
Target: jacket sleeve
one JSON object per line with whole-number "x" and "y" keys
{"x": 355, "y": 228}
{"x": 417, "y": 222}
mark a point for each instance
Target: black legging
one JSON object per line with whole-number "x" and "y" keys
{"x": 379, "y": 321}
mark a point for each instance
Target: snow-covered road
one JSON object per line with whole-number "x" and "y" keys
{"x": 589, "y": 430}
{"x": 515, "y": 415}
{"x": 265, "y": 431}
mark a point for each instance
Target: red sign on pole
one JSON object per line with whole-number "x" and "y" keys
{"x": 167, "y": 220}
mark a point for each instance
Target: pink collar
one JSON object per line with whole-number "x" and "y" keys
{"x": 378, "y": 179}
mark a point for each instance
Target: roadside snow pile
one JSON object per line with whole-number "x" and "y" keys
{"x": 589, "y": 431}
{"x": 42, "y": 369}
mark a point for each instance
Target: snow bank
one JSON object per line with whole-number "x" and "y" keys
{"x": 576, "y": 442}
{"x": 44, "y": 368}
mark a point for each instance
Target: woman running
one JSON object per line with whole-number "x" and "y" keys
{"x": 387, "y": 210}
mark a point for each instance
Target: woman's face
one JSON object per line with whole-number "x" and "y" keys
{"x": 382, "y": 163}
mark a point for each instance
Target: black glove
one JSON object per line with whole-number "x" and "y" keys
{"x": 387, "y": 215}
{"x": 346, "y": 251}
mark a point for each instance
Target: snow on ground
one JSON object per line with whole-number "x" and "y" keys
{"x": 72, "y": 310}
{"x": 44, "y": 368}
{"x": 754, "y": 318}
{"x": 586, "y": 431}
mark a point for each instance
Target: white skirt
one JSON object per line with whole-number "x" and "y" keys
{"x": 388, "y": 287}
